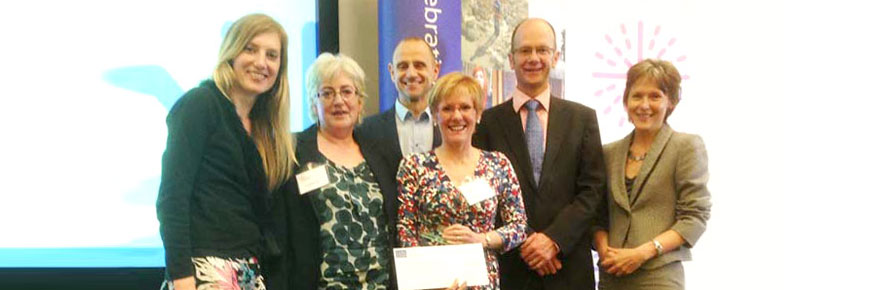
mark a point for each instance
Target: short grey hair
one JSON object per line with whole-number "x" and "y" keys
{"x": 326, "y": 67}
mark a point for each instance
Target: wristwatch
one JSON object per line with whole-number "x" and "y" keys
{"x": 488, "y": 241}
{"x": 658, "y": 247}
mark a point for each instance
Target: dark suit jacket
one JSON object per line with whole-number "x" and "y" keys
{"x": 381, "y": 133}
{"x": 571, "y": 191}
{"x": 305, "y": 249}
{"x": 378, "y": 136}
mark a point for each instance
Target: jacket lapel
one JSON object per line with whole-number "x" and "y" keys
{"x": 555, "y": 134}
{"x": 436, "y": 140}
{"x": 394, "y": 145}
{"x": 650, "y": 160}
{"x": 618, "y": 173}
{"x": 378, "y": 167}
{"x": 516, "y": 140}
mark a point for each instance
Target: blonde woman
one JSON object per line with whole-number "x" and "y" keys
{"x": 229, "y": 153}
{"x": 433, "y": 209}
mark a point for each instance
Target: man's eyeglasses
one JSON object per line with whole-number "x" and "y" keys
{"x": 541, "y": 51}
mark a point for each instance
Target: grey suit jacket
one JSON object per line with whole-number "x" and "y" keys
{"x": 670, "y": 192}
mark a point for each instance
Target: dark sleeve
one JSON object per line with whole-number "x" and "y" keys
{"x": 189, "y": 124}
{"x": 576, "y": 218}
{"x": 480, "y": 139}
{"x": 602, "y": 220}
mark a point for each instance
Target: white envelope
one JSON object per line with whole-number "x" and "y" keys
{"x": 438, "y": 266}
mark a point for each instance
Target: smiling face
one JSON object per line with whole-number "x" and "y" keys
{"x": 414, "y": 70}
{"x": 533, "y": 55}
{"x": 457, "y": 116}
{"x": 647, "y": 105}
{"x": 339, "y": 104}
{"x": 256, "y": 67}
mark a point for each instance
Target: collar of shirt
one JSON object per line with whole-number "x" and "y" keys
{"x": 401, "y": 113}
{"x": 520, "y": 99}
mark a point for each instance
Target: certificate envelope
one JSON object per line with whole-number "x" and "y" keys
{"x": 437, "y": 266}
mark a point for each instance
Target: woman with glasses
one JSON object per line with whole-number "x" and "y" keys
{"x": 342, "y": 231}
{"x": 456, "y": 193}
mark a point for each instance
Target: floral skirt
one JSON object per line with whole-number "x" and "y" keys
{"x": 225, "y": 273}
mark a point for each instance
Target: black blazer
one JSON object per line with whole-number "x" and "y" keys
{"x": 305, "y": 249}
{"x": 571, "y": 191}
{"x": 379, "y": 135}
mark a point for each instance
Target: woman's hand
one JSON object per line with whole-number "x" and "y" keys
{"x": 459, "y": 234}
{"x": 186, "y": 283}
{"x": 600, "y": 242}
{"x": 457, "y": 286}
{"x": 621, "y": 262}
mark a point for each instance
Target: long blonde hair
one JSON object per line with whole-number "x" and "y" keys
{"x": 270, "y": 114}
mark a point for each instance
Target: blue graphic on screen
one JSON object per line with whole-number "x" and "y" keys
{"x": 148, "y": 79}
{"x": 92, "y": 202}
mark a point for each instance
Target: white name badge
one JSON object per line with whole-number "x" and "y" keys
{"x": 312, "y": 179}
{"x": 476, "y": 190}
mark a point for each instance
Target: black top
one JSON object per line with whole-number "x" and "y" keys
{"x": 213, "y": 198}
{"x": 629, "y": 182}
{"x": 304, "y": 243}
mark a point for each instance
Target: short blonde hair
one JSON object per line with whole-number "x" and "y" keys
{"x": 663, "y": 73}
{"x": 456, "y": 83}
{"x": 325, "y": 68}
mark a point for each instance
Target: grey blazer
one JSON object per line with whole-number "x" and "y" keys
{"x": 670, "y": 192}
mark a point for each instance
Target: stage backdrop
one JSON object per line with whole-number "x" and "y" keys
{"x": 437, "y": 22}
{"x": 730, "y": 63}
{"x": 84, "y": 118}
{"x": 472, "y": 36}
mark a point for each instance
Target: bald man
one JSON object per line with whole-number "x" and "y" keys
{"x": 556, "y": 152}
{"x": 407, "y": 127}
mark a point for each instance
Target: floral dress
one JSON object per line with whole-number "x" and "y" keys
{"x": 429, "y": 202}
{"x": 224, "y": 273}
{"x": 353, "y": 231}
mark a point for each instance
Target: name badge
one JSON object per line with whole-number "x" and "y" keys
{"x": 476, "y": 191}
{"x": 312, "y": 179}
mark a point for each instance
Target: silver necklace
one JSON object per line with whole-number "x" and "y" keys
{"x": 637, "y": 158}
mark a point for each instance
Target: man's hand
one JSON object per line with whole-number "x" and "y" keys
{"x": 539, "y": 252}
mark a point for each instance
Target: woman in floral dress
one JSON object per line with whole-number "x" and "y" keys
{"x": 433, "y": 210}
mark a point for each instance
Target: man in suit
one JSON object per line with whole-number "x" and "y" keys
{"x": 407, "y": 127}
{"x": 555, "y": 148}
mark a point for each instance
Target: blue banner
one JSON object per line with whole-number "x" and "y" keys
{"x": 439, "y": 23}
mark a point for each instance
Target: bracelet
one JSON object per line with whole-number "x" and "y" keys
{"x": 487, "y": 240}
{"x": 658, "y": 247}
